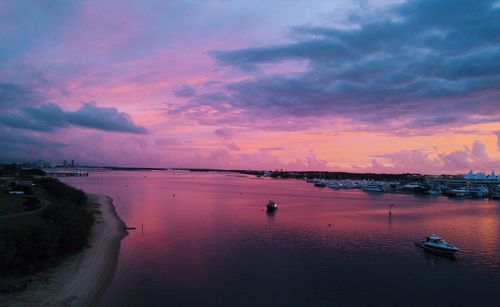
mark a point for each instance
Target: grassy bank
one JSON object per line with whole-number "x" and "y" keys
{"x": 62, "y": 227}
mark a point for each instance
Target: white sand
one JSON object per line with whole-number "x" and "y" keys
{"x": 81, "y": 279}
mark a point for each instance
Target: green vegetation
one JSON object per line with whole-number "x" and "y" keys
{"x": 10, "y": 204}
{"x": 17, "y": 171}
{"x": 60, "y": 228}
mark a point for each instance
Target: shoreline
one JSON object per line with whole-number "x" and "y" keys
{"x": 80, "y": 279}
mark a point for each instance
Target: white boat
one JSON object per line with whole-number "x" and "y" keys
{"x": 334, "y": 184}
{"x": 479, "y": 192}
{"x": 373, "y": 188}
{"x": 460, "y": 192}
{"x": 438, "y": 245}
{"x": 434, "y": 191}
{"x": 320, "y": 183}
{"x": 411, "y": 186}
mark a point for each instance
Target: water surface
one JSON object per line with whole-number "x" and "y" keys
{"x": 207, "y": 241}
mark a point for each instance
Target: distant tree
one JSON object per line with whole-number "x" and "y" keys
{"x": 31, "y": 172}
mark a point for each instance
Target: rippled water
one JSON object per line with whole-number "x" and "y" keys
{"x": 214, "y": 245}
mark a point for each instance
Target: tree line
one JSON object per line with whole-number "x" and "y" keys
{"x": 63, "y": 227}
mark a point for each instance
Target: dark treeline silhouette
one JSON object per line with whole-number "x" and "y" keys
{"x": 280, "y": 173}
{"x": 248, "y": 172}
{"x": 16, "y": 170}
{"x": 346, "y": 175}
{"x": 63, "y": 227}
{"x": 62, "y": 191}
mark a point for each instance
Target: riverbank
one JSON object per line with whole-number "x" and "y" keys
{"x": 81, "y": 278}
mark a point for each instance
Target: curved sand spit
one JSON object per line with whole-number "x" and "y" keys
{"x": 81, "y": 279}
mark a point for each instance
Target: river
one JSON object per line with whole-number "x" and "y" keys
{"x": 204, "y": 239}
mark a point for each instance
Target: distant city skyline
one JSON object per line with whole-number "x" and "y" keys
{"x": 359, "y": 86}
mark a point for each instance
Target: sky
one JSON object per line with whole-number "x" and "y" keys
{"x": 341, "y": 85}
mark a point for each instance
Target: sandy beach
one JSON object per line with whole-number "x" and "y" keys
{"x": 81, "y": 278}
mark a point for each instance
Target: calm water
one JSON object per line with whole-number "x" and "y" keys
{"x": 213, "y": 245}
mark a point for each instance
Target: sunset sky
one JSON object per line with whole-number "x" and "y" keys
{"x": 340, "y": 85}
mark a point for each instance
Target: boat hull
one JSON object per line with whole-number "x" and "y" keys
{"x": 271, "y": 208}
{"x": 448, "y": 252}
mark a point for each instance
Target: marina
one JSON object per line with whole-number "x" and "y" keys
{"x": 470, "y": 185}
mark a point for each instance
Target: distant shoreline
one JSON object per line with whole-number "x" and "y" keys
{"x": 82, "y": 278}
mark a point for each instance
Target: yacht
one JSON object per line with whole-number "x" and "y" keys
{"x": 271, "y": 206}
{"x": 460, "y": 192}
{"x": 434, "y": 191}
{"x": 438, "y": 245}
{"x": 479, "y": 192}
{"x": 373, "y": 188}
{"x": 321, "y": 183}
{"x": 334, "y": 184}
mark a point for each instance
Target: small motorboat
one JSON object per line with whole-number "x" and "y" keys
{"x": 271, "y": 206}
{"x": 438, "y": 245}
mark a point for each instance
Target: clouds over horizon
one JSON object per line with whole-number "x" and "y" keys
{"x": 422, "y": 67}
{"x": 269, "y": 84}
{"x": 50, "y": 117}
{"x": 469, "y": 157}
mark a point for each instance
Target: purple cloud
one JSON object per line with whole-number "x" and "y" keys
{"x": 49, "y": 117}
{"x": 16, "y": 145}
{"x": 421, "y": 69}
{"x": 224, "y": 132}
{"x": 185, "y": 91}
{"x": 13, "y": 95}
{"x": 475, "y": 157}
{"x": 233, "y": 146}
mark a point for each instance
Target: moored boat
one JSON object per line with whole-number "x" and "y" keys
{"x": 373, "y": 188}
{"x": 321, "y": 183}
{"x": 438, "y": 245}
{"x": 459, "y": 192}
{"x": 334, "y": 184}
{"x": 479, "y": 192}
{"x": 271, "y": 206}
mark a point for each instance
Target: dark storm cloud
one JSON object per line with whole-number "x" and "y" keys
{"x": 18, "y": 145}
{"x": 430, "y": 63}
{"x": 49, "y": 117}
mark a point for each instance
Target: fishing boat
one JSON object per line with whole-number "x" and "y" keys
{"x": 438, "y": 245}
{"x": 271, "y": 206}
